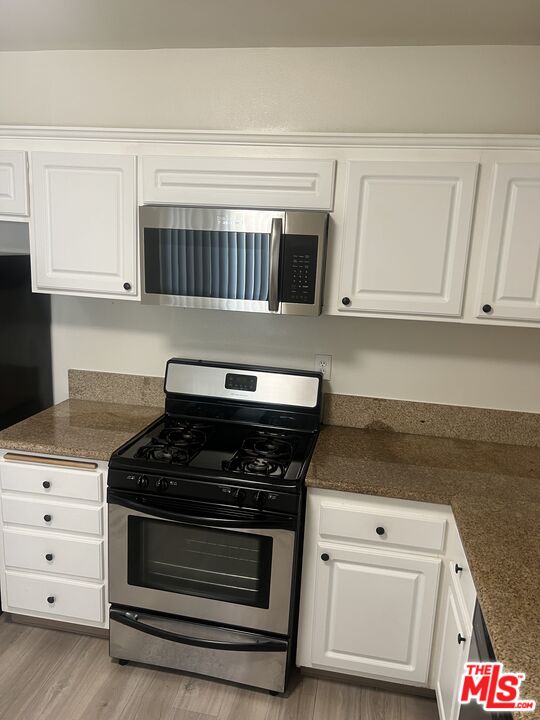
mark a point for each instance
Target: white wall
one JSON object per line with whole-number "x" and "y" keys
{"x": 434, "y": 362}
{"x": 390, "y": 89}
{"x": 428, "y": 89}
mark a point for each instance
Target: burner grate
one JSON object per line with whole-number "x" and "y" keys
{"x": 262, "y": 454}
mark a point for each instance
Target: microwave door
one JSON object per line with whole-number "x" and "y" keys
{"x": 274, "y": 268}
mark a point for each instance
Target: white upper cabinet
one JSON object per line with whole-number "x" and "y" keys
{"x": 406, "y": 237}
{"x": 238, "y": 182}
{"x": 13, "y": 183}
{"x": 83, "y": 232}
{"x": 510, "y": 288}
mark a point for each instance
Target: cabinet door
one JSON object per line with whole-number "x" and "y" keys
{"x": 286, "y": 183}
{"x": 83, "y": 231}
{"x": 454, "y": 654}
{"x": 13, "y": 185}
{"x": 511, "y": 282}
{"x": 407, "y": 232}
{"x": 374, "y": 612}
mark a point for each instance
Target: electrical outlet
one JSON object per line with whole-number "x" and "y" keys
{"x": 323, "y": 363}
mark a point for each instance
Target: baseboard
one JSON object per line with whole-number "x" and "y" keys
{"x": 368, "y": 682}
{"x": 47, "y": 624}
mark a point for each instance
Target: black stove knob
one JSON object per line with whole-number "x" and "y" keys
{"x": 240, "y": 496}
{"x": 260, "y": 499}
{"x": 162, "y": 484}
{"x": 142, "y": 482}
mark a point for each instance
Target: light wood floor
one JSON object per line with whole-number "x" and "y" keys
{"x": 55, "y": 675}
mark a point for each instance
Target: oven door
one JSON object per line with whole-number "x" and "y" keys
{"x": 197, "y": 560}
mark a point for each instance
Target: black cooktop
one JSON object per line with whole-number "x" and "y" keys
{"x": 190, "y": 445}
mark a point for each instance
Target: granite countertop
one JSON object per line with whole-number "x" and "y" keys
{"x": 493, "y": 489}
{"x": 494, "y": 492}
{"x": 79, "y": 428}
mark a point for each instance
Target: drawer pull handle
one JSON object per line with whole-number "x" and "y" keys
{"x": 460, "y": 638}
{"x": 325, "y": 557}
{"x": 49, "y": 556}
{"x": 46, "y": 484}
{"x": 380, "y": 530}
{"x": 47, "y": 518}
{"x": 458, "y": 568}
{"x": 51, "y": 599}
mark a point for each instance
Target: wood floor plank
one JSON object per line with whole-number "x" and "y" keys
{"x": 30, "y": 667}
{"x": 339, "y": 701}
{"x": 79, "y": 670}
{"x": 419, "y": 708}
{"x": 206, "y": 696}
{"x": 55, "y": 675}
{"x": 298, "y": 705}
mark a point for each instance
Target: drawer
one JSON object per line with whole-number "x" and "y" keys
{"x": 50, "y": 480}
{"x": 460, "y": 573}
{"x": 63, "y": 516}
{"x": 69, "y": 556}
{"x": 383, "y": 527}
{"x": 70, "y": 599}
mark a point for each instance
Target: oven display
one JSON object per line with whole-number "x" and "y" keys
{"x": 241, "y": 382}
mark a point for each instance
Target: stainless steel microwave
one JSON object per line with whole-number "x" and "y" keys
{"x": 251, "y": 260}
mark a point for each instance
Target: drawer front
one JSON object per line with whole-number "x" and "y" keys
{"x": 46, "y": 552}
{"x": 49, "y": 480}
{"x": 381, "y": 527}
{"x": 460, "y": 573}
{"x": 63, "y": 516}
{"x": 69, "y": 599}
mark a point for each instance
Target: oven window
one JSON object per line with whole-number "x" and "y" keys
{"x": 218, "y": 564}
{"x": 206, "y": 263}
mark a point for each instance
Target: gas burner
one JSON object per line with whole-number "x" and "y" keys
{"x": 158, "y": 451}
{"x": 186, "y": 437}
{"x": 268, "y": 446}
{"x": 258, "y": 466}
{"x": 262, "y": 454}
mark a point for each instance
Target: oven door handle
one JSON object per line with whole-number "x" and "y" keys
{"x": 131, "y": 620}
{"x": 287, "y": 523}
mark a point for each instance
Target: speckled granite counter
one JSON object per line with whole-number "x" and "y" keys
{"x": 79, "y": 428}
{"x": 494, "y": 492}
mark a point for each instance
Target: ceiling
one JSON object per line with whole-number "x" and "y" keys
{"x": 131, "y": 24}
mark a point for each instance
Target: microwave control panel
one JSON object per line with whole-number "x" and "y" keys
{"x": 299, "y": 268}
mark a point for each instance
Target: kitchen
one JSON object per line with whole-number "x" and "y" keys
{"x": 332, "y": 294}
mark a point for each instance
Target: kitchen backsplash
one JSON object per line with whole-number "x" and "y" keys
{"x": 401, "y": 416}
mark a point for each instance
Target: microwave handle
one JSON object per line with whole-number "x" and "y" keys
{"x": 275, "y": 246}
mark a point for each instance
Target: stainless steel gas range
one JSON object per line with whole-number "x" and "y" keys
{"x": 205, "y": 523}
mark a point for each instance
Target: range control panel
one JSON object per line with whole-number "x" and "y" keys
{"x": 299, "y": 268}
{"x": 224, "y": 493}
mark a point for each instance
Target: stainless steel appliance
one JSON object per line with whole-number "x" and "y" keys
{"x": 251, "y": 260}
{"x": 480, "y": 650}
{"x": 205, "y": 523}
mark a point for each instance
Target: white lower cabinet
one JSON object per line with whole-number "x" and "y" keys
{"x": 386, "y": 594}
{"x": 455, "y": 641}
{"x": 374, "y": 611}
{"x": 370, "y": 586}
{"x": 53, "y": 549}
